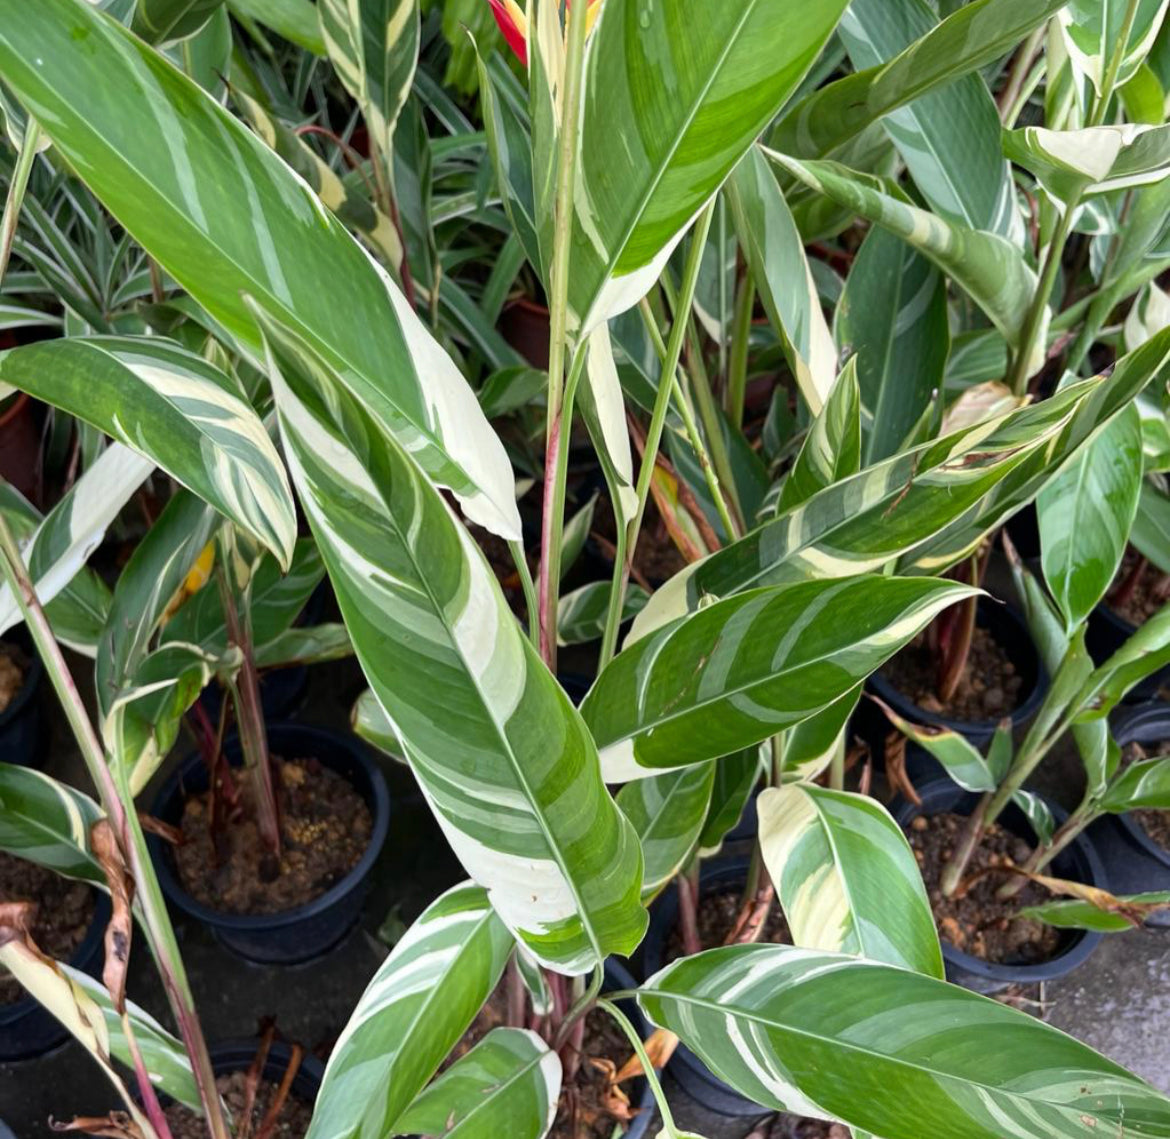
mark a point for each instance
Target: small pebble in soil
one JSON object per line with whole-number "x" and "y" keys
{"x": 291, "y": 1123}
{"x": 1150, "y": 592}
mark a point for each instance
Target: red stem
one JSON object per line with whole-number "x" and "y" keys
{"x": 548, "y": 644}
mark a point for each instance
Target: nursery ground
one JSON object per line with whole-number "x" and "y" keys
{"x": 1119, "y": 1002}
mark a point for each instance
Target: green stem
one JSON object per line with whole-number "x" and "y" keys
{"x": 520, "y": 558}
{"x": 621, "y": 569}
{"x": 16, "y": 190}
{"x": 720, "y": 268}
{"x": 1074, "y": 825}
{"x": 1109, "y": 80}
{"x": 668, "y": 1125}
{"x": 741, "y": 331}
{"x": 1010, "y": 95}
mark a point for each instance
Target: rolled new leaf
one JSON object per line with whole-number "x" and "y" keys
{"x": 782, "y": 1025}
{"x": 503, "y": 757}
{"x": 741, "y": 670}
{"x": 175, "y": 409}
{"x": 1092, "y": 31}
{"x": 846, "y": 877}
{"x": 226, "y": 218}
{"x": 413, "y": 1012}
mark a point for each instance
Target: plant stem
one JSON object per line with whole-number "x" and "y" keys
{"x": 668, "y": 1124}
{"x": 1082, "y": 817}
{"x": 520, "y": 559}
{"x": 969, "y": 838}
{"x": 1009, "y": 96}
{"x": 150, "y": 1104}
{"x": 737, "y": 369}
{"x": 621, "y": 570}
{"x": 16, "y": 191}
{"x": 124, "y": 820}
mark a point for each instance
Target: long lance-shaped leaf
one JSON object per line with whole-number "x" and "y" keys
{"x": 162, "y": 21}
{"x": 373, "y": 46}
{"x": 1085, "y": 516}
{"x": 736, "y": 778}
{"x": 177, "y": 410}
{"x": 939, "y": 498}
{"x": 226, "y": 218}
{"x": 413, "y": 1012}
{"x": 356, "y": 211}
{"x": 781, "y": 1025}
{"x": 502, "y": 755}
{"x": 1092, "y": 29}
{"x": 1141, "y": 785}
{"x": 1146, "y": 651}
{"x": 1093, "y": 161}
{"x": 739, "y": 671}
{"x": 693, "y": 89}
{"x": 56, "y": 551}
{"x": 978, "y": 33}
{"x": 668, "y": 812}
{"x": 960, "y": 172}
{"x": 987, "y": 266}
{"x": 47, "y": 822}
{"x": 846, "y": 877}
{"x": 775, "y": 255}
{"x": 893, "y": 317}
{"x": 295, "y": 20}
{"x": 832, "y": 448}
{"x": 508, "y": 1084}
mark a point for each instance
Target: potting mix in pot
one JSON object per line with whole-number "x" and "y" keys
{"x": 620, "y": 410}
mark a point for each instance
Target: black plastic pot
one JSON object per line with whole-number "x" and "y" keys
{"x": 21, "y": 729}
{"x": 1135, "y": 863}
{"x": 1106, "y": 633}
{"x": 230, "y": 1056}
{"x": 1078, "y": 862}
{"x": 282, "y": 690}
{"x": 617, "y": 978}
{"x": 26, "y": 1029}
{"x": 306, "y": 932}
{"x": 1011, "y": 633}
{"x": 695, "y": 1078}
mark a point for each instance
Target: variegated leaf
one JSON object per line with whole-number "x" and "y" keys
{"x": 305, "y": 645}
{"x": 1122, "y": 915}
{"x": 1142, "y": 655}
{"x": 832, "y": 448}
{"x": 736, "y": 778}
{"x": 774, "y": 251}
{"x": 711, "y": 93}
{"x": 810, "y": 747}
{"x": 781, "y": 1025}
{"x": 227, "y": 219}
{"x": 373, "y": 46}
{"x": 961, "y": 173}
{"x": 1145, "y": 784}
{"x": 991, "y": 269}
{"x": 963, "y": 762}
{"x": 369, "y": 721}
{"x": 1092, "y": 29}
{"x": 667, "y": 812}
{"x": 508, "y": 1084}
{"x": 581, "y": 613}
{"x": 178, "y": 411}
{"x": 413, "y": 1012}
{"x": 47, "y": 822}
{"x": 57, "y": 549}
{"x": 481, "y": 719}
{"x": 604, "y": 410}
{"x": 163, "y": 21}
{"x": 740, "y": 670}
{"x": 846, "y": 877}
{"x": 295, "y": 20}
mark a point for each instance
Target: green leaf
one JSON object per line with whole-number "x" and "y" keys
{"x": 373, "y": 46}
{"x": 226, "y": 219}
{"x": 774, "y": 250}
{"x": 175, "y": 409}
{"x": 960, "y": 172}
{"x": 162, "y": 21}
{"x": 581, "y": 613}
{"x": 1144, "y": 653}
{"x": 692, "y": 90}
{"x": 667, "y": 812}
{"x": 738, "y": 671}
{"x": 48, "y": 823}
{"x": 781, "y": 1025}
{"x": 413, "y": 1012}
{"x": 508, "y": 1084}
{"x": 832, "y": 448}
{"x": 1151, "y": 529}
{"x": 480, "y": 717}
{"x": 1037, "y": 813}
{"x": 370, "y": 721}
{"x": 892, "y": 318}
{"x": 736, "y": 778}
{"x": 296, "y": 20}
{"x": 962, "y": 761}
{"x": 305, "y": 645}
{"x": 575, "y": 534}
{"x": 1075, "y": 913}
{"x": 846, "y": 877}
{"x": 1085, "y": 516}
{"x": 811, "y": 746}
{"x": 979, "y": 33}
{"x": 1092, "y": 29}
{"x": 604, "y": 410}
{"x": 1145, "y": 784}
{"x": 988, "y": 267}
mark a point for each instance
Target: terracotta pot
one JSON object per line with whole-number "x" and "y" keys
{"x": 20, "y": 447}
{"x": 525, "y": 325}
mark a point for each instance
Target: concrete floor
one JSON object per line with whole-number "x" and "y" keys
{"x": 1119, "y": 1002}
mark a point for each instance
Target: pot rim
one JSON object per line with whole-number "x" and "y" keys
{"x": 1145, "y": 723}
{"x": 28, "y": 688}
{"x": 380, "y": 809}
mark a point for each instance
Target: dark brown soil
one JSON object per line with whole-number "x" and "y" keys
{"x": 989, "y": 688}
{"x": 657, "y": 558}
{"x": 1156, "y": 823}
{"x": 979, "y": 923}
{"x": 64, "y": 912}
{"x": 291, "y": 1123}
{"x": 12, "y": 669}
{"x": 800, "y": 1127}
{"x": 1150, "y": 594}
{"x": 325, "y": 829}
{"x": 718, "y": 911}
